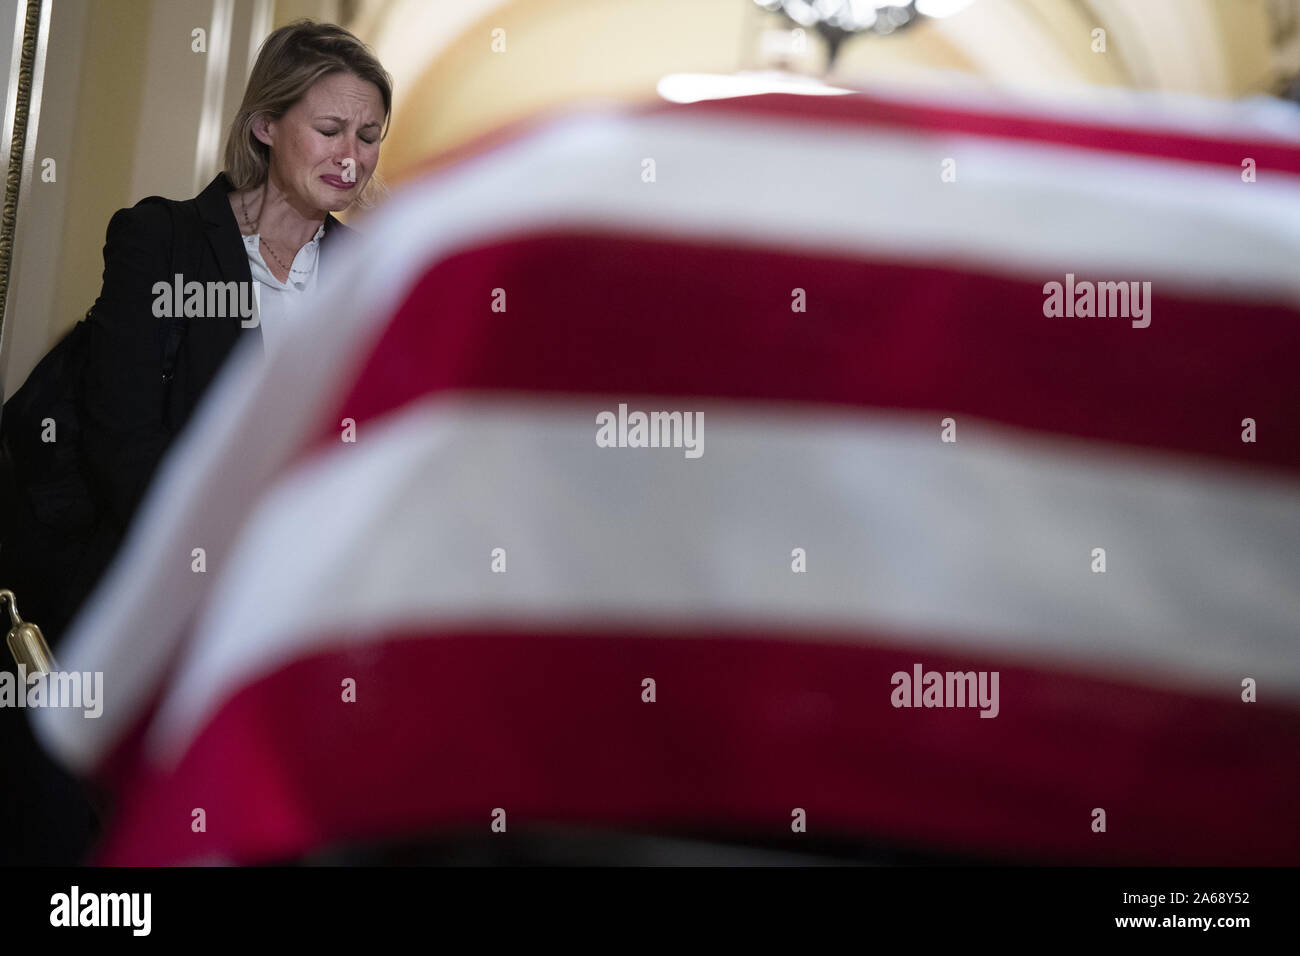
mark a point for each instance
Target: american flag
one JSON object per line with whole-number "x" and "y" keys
{"x": 430, "y": 596}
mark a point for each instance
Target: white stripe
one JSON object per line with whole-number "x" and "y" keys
{"x": 761, "y": 183}
{"x": 983, "y": 545}
{"x": 1263, "y": 119}
{"x": 1023, "y": 209}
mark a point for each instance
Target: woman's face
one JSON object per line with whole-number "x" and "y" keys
{"x": 324, "y": 149}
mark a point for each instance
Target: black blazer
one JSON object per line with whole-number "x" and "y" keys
{"x": 128, "y": 418}
{"x": 131, "y": 415}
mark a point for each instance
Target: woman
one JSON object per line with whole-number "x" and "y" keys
{"x": 304, "y": 144}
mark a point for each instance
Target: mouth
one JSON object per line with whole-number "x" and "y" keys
{"x": 338, "y": 183}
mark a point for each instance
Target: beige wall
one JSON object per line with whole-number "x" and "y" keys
{"x": 451, "y": 87}
{"x": 97, "y": 164}
{"x": 43, "y": 207}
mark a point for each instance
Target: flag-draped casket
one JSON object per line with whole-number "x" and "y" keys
{"x": 438, "y": 585}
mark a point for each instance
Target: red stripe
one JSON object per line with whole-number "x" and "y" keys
{"x": 553, "y": 729}
{"x": 869, "y": 112}
{"x": 620, "y": 316}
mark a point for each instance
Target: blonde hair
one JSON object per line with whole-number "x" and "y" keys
{"x": 290, "y": 61}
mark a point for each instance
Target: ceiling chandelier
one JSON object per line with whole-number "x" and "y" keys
{"x": 837, "y": 20}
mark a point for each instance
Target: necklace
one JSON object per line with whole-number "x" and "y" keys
{"x": 243, "y": 200}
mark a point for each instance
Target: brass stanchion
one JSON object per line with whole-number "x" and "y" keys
{"x": 25, "y": 640}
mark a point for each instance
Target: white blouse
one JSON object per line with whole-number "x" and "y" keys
{"x": 275, "y": 299}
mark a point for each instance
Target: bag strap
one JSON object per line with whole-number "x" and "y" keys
{"x": 174, "y": 334}
{"x": 172, "y": 347}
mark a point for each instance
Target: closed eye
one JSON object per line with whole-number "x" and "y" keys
{"x": 334, "y": 132}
